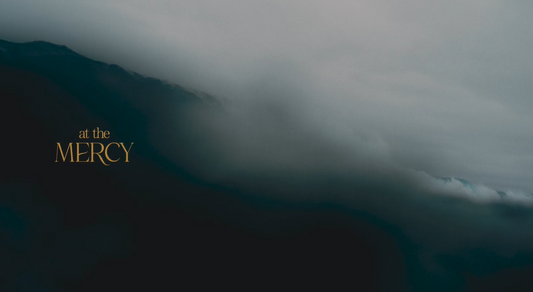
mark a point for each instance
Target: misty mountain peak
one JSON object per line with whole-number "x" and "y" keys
{"x": 64, "y": 65}
{"x": 35, "y": 48}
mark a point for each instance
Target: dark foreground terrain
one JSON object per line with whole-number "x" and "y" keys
{"x": 155, "y": 224}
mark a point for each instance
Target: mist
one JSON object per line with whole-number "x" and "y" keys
{"x": 440, "y": 88}
{"x": 414, "y": 114}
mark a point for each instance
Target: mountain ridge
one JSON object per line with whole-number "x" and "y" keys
{"x": 11, "y": 52}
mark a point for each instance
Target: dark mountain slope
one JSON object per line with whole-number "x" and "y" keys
{"x": 149, "y": 224}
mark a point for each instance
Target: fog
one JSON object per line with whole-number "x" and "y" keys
{"x": 414, "y": 116}
{"x": 414, "y": 90}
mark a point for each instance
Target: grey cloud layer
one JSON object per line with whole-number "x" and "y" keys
{"x": 437, "y": 87}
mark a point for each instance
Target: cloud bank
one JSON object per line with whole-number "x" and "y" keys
{"x": 440, "y": 88}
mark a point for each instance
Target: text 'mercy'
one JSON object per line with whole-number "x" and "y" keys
{"x": 91, "y": 149}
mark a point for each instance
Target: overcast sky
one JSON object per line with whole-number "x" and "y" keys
{"x": 442, "y": 87}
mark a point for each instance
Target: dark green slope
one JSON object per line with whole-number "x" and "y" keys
{"x": 151, "y": 224}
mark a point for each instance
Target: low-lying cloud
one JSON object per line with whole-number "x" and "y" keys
{"x": 440, "y": 88}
